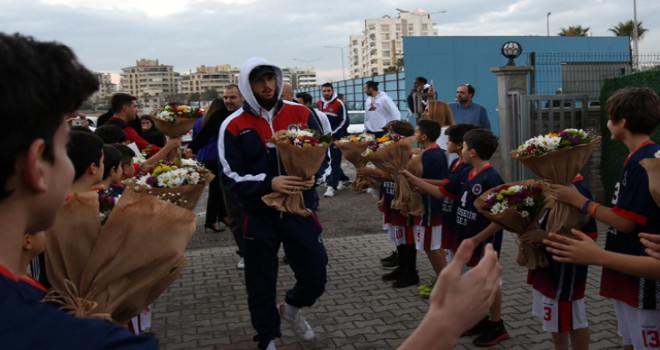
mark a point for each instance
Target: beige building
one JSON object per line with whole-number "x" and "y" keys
{"x": 299, "y": 77}
{"x": 207, "y": 78}
{"x": 381, "y": 43}
{"x": 152, "y": 83}
{"x": 105, "y": 91}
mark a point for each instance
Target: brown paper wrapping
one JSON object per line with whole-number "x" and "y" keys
{"x": 652, "y": 166}
{"x": 561, "y": 167}
{"x": 393, "y": 159}
{"x": 121, "y": 268}
{"x": 186, "y": 196}
{"x": 181, "y": 126}
{"x": 415, "y": 165}
{"x": 297, "y": 161}
{"x": 531, "y": 255}
{"x": 353, "y": 153}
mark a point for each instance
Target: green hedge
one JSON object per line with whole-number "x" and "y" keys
{"x": 614, "y": 153}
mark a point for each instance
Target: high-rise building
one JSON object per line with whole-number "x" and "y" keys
{"x": 208, "y": 78}
{"x": 152, "y": 83}
{"x": 380, "y": 46}
{"x": 299, "y": 77}
{"x": 105, "y": 91}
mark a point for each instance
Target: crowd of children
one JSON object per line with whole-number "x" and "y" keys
{"x": 630, "y": 258}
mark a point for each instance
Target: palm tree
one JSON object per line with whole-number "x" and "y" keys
{"x": 576, "y": 30}
{"x": 626, "y": 29}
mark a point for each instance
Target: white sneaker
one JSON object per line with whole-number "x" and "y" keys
{"x": 343, "y": 185}
{"x": 241, "y": 264}
{"x": 329, "y": 193}
{"x": 299, "y": 325}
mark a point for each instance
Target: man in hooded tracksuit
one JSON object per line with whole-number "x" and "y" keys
{"x": 252, "y": 169}
{"x": 338, "y": 116}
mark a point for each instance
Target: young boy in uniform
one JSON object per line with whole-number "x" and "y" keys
{"x": 428, "y": 227}
{"x": 633, "y": 113}
{"x": 479, "y": 145}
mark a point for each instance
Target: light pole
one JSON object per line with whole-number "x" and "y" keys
{"x": 343, "y": 74}
{"x": 547, "y": 23}
{"x": 635, "y": 37}
{"x": 307, "y": 62}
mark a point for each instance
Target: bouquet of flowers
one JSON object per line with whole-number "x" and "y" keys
{"x": 652, "y": 166}
{"x": 302, "y": 151}
{"x": 175, "y": 120}
{"x": 516, "y": 206}
{"x": 353, "y": 147}
{"x": 180, "y": 182}
{"x": 558, "y": 157}
{"x": 114, "y": 268}
{"x": 391, "y": 154}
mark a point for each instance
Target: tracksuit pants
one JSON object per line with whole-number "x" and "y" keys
{"x": 336, "y": 174}
{"x": 301, "y": 238}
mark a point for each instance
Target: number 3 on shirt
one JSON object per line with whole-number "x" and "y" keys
{"x": 464, "y": 199}
{"x": 651, "y": 338}
{"x": 547, "y": 313}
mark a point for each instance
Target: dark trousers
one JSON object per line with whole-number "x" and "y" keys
{"x": 336, "y": 174}
{"x": 215, "y": 206}
{"x": 301, "y": 237}
{"x": 235, "y": 217}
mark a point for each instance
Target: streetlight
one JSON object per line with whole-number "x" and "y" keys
{"x": 635, "y": 36}
{"x": 547, "y": 23}
{"x": 426, "y": 14}
{"x": 343, "y": 74}
{"x": 307, "y": 62}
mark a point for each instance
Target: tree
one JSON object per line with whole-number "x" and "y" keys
{"x": 390, "y": 69}
{"x": 210, "y": 94}
{"x": 576, "y": 30}
{"x": 626, "y": 29}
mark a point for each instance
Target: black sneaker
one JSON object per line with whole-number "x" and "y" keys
{"x": 406, "y": 280}
{"x": 492, "y": 336}
{"x": 392, "y": 256}
{"x": 478, "y": 328}
{"x": 392, "y": 276}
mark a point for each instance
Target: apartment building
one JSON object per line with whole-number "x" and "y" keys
{"x": 151, "y": 82}
{"x": 380, "y": 45}
{"x": 208, "y": 78}
{"x": 299, "y": 77}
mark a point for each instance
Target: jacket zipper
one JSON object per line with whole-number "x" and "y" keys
{"x": 269, "y": 119}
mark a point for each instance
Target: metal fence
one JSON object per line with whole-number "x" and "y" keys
{"x": 582, "y": 73}
{"x": 353, "y": 90}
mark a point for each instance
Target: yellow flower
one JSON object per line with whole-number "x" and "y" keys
{"x": 182, "y": 108}
{"x": 383, "y": 139}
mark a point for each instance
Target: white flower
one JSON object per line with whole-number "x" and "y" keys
{"x": 499, "y": 207}
{"x": 524, "y": 213}
{"x": 142, "y": 181}
{"x": 657, "y": 154}
{"x": 194, "y": 178}
{"x": 189, "y": 162}
{"x": 528, "y": 201}
{"x": 515, "y": 188}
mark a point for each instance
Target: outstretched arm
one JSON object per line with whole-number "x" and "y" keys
{"x": 423, "y": 186}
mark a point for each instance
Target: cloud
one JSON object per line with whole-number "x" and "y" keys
{"x": 109, "y": 35}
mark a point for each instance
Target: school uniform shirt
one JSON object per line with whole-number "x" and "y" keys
{"x": 434, "y": 166}
{"x": 458, "y": 173}
{"x": 468, "y": 220}
{"x": 32, "y": 287}
{"x": 27, "y": 323}
{"x": 632, "y": 200}
{"x": 564, "y": 281}
{"x": 392, "y": 216}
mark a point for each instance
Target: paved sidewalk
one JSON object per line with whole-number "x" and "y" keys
{"x": 207, "y": 308}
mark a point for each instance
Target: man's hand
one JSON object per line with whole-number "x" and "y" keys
{"x": 173, "y": 143}
{"x": 289, "y": 184}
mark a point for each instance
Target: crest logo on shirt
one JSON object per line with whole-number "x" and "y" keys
{"x": 331, "y": 109}
{"x": 476, "y": 189}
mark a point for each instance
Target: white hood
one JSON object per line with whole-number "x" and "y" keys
{"x": 325, "y": 102}
{"x": 244, "y": 82}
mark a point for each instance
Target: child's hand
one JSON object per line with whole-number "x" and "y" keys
{"x": 533, "y": 236}
{"x": 582, "y": 250}
{"x": 567, "y": 194}
{"x": 652, "y": 244}
{"x": 381, "y": 205}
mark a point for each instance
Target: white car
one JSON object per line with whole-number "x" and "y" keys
{"x": 356, "y": 125}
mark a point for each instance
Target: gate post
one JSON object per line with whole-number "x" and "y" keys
{"x": 511, "y": 81}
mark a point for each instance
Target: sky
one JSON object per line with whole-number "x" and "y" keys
{"x": 108, "y": 35}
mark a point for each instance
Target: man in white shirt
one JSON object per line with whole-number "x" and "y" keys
{"x": 379, "y": 109}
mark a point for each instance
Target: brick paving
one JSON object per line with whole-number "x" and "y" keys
{"x": 207, "y": 307}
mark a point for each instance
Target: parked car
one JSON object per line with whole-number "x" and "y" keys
{"x": 356, "y": 125}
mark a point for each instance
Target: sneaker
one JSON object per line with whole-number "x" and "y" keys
{"x": 495, "y": 334}
{"x": 330, "y": 192}
{"x": 391, "y": 264}
{"x": 394, "y": 255}
{"x": 299, "y": 325}
{"x": 406, "y": 280}
{"x": 241, "y": 264}
{"x": 392, "y": 276}
{"x": 478, "y": 328}
{"x": 343, "y": 185}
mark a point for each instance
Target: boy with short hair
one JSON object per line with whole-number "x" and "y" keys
{"x": 479, "y": 145}
{"x": 633, "y": 113}
{"x": 428, "y": 227}
{"x": 86, "y": 153}
{"x": 112, "y": 170}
